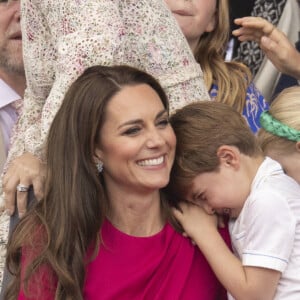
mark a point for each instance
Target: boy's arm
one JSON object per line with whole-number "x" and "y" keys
{"x": 241, "y": 282}
{"x": 275, "y": 44}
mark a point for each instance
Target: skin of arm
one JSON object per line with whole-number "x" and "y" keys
{"x": 275, "y": 44}
{"x": 242, "y": 282}
{"x": 24, "y": 164}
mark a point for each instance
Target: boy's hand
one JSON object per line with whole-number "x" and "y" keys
{"x": 195, "y": 221}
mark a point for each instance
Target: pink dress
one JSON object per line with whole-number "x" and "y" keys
{"x": 165, "y": 266}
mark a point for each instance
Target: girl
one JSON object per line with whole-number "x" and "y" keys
{"x": 205, "y": 24}
{"x": 279, "y": 136}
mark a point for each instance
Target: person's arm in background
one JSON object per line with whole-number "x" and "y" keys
{"x": 23, "y": 164}
{"x": 275, "y": 44}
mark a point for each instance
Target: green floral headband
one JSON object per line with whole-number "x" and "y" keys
{"x": 272, "y": 125}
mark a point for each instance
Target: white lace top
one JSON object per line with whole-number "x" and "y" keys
{"x": 62, "y": 38}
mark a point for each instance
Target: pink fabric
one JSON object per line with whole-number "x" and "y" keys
{"x": 165, "y": 266}
{"x": 42, "y": 285}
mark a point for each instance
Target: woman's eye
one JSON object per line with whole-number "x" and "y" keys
{"x": 131, "y": 131}
{"x": 163, "y": 123}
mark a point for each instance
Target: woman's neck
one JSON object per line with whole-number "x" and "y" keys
{"x": 136, "y": 215}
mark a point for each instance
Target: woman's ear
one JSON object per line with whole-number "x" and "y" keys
{"x": 97, "y": 155}
{"x": 229, "y": 156}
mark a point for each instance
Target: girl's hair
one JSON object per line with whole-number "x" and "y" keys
{"x": 201, "y": 128}
{"x": 59, "y": 231}
{"x": 232, "y": 78}
{"x": 286, "y": 109}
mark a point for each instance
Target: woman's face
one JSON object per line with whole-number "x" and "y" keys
{"x": 137, "y": 143}
{"x": 194, "y": 17}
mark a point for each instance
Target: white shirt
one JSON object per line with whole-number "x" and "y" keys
{"x": 8, "y": 114}
{"x": 267, "y": 231}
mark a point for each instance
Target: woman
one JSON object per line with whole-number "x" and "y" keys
{"x": 205, "y": 24}
{"x": 103, "y": 229}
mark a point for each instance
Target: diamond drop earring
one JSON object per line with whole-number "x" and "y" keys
{"x": 99, "y": 166}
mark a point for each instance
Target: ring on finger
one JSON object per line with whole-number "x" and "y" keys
{"x": 22, "y": 188}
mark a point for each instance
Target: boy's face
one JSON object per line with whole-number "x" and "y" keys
{"x": 224, "y": 191}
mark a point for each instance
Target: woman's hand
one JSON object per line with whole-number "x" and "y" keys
{"x": 23, "y": 172}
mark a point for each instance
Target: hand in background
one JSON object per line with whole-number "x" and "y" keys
{"x": 275, "y": 44}
{"x": 23, "y": 172}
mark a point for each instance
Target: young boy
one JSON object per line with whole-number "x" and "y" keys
{"x": 220, "y": 167}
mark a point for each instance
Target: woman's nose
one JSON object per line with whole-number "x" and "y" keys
{"x": 155, "y": 139}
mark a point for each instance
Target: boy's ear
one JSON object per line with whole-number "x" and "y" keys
{"x": 298, "y": 146}
{"x": 229, "y": 156}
